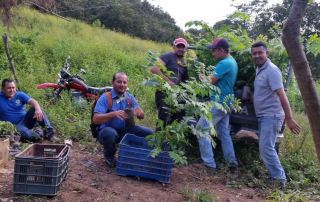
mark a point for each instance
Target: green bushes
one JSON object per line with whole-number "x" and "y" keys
{"x": 39, "y": 46}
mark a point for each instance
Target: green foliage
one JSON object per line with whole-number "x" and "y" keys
{"x": 197, "y": 195}
{"x": 266, "y": 17}
{"x": 313, "y": 45}
{"x": 134, "y": 17}
{"x": 184, "y": 97}
{"x": 6, "y": 127}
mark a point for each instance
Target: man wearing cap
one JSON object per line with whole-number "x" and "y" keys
{"x": 223, "y": 76}
{"x": 173, "y": 61}
{"x": 271, "y": 106}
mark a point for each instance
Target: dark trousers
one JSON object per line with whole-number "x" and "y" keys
{"x": 108, "y": 137}
{"x": 163, "y": 112}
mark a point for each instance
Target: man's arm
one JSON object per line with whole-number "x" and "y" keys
{"x": 293, "y": 126}
{"x": 214, "y": 79}
{"x": 156, "y": 70}
{"x": 103, "y": 118}
{"x": 38, "y": 113}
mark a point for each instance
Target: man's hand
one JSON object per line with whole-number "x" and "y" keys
{"x": 38, "y": 114}
{"x": 171, "y": 83}
{"x": 120, "y": 115}
{"x": 138, "y": 112}
{"x": 201, "y": 76}
{"x": 293, "y": 126}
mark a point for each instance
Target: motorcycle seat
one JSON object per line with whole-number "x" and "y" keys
{"x": 99, "y": 91}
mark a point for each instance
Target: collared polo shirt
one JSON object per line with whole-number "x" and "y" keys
{"x": 266, "y": 101}
{"x": 13, "y": 110}
{"x": 102, "y": 107}
{"x": 179, "y": 71}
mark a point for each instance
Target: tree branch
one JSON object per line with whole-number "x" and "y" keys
{"x": 50, "y": 12}
{"x": 6, "y": 45}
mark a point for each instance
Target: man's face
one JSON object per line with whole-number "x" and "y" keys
{"x": 218, "y": 54}
{"x": 259, "y": 55}
{"x": 120, "y": 84}
{"x": 179, "y": 50}
{"x": 9, "y": 90}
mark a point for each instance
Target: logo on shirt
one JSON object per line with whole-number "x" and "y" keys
{"x": 18, "y": 102}
{"x": 260, "y": 77}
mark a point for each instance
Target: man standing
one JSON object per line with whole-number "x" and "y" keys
{"x": 12, "y": 110}
{"x": 113, "y": 126}
{"x": 271, "y": 106}
{"x": 174, "y": 63}
{"x": 223, "y": 76}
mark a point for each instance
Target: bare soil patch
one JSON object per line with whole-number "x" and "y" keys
{"x": 90, "y": 180}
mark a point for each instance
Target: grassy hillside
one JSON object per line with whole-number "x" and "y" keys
{"x": 39, "y": 45}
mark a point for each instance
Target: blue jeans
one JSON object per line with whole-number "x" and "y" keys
{"x": 108, "y": 137}
{"x": 28, "y": 122}
{"x": 268, "y": 130}
{"x": 220, "y": 120}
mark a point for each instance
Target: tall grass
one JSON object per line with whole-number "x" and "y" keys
{"x": 39, "y": 45}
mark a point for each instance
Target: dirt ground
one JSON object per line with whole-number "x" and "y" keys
{"x": 89, "y": 179}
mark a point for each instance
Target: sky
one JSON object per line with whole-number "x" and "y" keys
{"x": 209, "y": 11}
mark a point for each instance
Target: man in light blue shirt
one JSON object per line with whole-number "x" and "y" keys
{"x": 223, "y": 76}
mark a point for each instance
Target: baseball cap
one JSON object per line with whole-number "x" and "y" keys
{"x": 180, "y": 41}
{"x": 219, "y": 43}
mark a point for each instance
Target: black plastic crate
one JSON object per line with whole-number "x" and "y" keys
{"x": 133, "y": 160}
{"x": 41, "y": 175}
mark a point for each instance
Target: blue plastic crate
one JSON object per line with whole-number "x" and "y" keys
{"x": 40, "y": 175}
{"x": 133, "y": 160}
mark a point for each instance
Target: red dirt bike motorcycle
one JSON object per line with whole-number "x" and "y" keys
{"x": 75, "y": 83}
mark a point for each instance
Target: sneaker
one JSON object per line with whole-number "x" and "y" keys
{"x": 51, "y": 136}
{"x": 203, "y": 166}
{"x": 111, "y": 163}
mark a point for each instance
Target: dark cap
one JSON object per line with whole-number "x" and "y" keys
{"x": 219, "y": 43}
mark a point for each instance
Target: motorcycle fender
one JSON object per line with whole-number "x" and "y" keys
{"x": 46, "y": 85}
{"x": 91, "y": 96}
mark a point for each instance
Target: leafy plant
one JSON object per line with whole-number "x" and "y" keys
{"x": 197, "y": 195}
{"x": 184, "y": 97}
{"x": 7, "y": 127}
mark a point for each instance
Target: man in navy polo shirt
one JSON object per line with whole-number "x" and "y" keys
{"x": 12, "y": 110}
{"x": 173, "y": 61}
{"x": 113, "y": 126}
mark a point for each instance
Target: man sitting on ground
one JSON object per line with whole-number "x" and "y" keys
{"x": 12, "y": 109}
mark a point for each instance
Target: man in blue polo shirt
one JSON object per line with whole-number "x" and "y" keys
{"x": 12, "y": 110}
{"x": 223, "y": 76}
{"x": 113, "y": 126}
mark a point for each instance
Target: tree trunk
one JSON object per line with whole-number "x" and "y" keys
{"x": 6, "y": 45}
{"x": 292, "y": 43}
